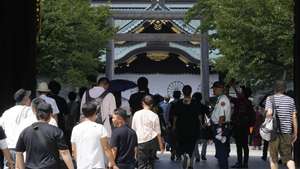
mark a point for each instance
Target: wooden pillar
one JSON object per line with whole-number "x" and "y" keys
{"x": 110, "y": 55}
{"x": 205, "y": 67}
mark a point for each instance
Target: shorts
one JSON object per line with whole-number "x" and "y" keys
{"x": 282, "y": 145}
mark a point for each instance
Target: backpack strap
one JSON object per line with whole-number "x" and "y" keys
{"x": 88, "y": 97}
{"x": 275, "y": 115}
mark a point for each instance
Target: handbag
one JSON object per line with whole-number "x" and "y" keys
{"x": 271, "y": 126}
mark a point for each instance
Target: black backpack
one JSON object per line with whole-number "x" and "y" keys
{"x": 97, "y": 101}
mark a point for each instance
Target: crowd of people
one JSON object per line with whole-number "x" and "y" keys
{"x": 100, "y": 129}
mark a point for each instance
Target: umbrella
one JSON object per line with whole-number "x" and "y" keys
{"x": 119, "y": 85}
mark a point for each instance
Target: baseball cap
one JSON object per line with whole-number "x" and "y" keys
{"x": 20, "y": 94}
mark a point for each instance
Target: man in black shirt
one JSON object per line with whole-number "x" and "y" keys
{"x": 135, "y": 99}
{"x": 43, "y": 143}
{"x": 123, "y": 141}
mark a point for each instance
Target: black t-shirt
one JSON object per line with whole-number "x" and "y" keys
{"x": 135, "y": 101}
{"x": 38, "y": 153}
{"x": 2, "y": 134}
{"x": 187, "y": 123}
{"x": 125, "y": 140}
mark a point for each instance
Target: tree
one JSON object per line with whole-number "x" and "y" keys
{"x": 72, "y": 38}
{"x": 254, "y": 37}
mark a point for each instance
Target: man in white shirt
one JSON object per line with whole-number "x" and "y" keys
{"x": 32, "y": 116}
{"x": 90, "y": 142}
{"x": 146, "y": 125}
{"x": 220, "y": 120}
{"x": 12, "y": 119}
{"x": 108, "y": 104}
{"x": 43, "y": 91}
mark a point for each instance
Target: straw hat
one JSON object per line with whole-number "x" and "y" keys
{"x": 43, "y": 87}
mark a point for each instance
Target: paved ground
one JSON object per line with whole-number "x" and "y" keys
{"x": 255, "y": 161}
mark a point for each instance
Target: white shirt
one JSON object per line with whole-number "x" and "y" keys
{"x": 32, "y": 119}
{"x": 146, "y": 125}
{"x": 86, "y": 136}
{"x": 222, "y": 107}
{"x": 52, "y": 102}
{"x": 107, "y": 108}
{"x": 11, "y": 122}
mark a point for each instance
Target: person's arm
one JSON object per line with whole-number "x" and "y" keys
{"x": 65, "y": 154}
{"x": 74, "y": 151}
{"x": 268, "y": 108}
{"x": 295, "y": 127}
{"x": 20, "y": 160}
{"x": 161, "y": 143}
{"x": 7, "y": 156}
{"x": 108, "y": 152}
{"x": 114, "y": 151}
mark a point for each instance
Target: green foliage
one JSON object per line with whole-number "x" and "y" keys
{"x": 72, "y": 38}
{"x": 255, "y": 38}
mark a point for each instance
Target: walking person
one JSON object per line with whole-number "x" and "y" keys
{"x": 43, "y": 143}
{"x": 43, "y": 92}
{"x": 257, "y": 140}
{"x": 220, "y": 120}
{"x": 106, "y": 102}
{"x": 135, "y": 100}
{"x": 204, "y": 134}
{"x": 13, "y": 118}
{"x": 146, "y": 125}
{"x": 186, "y": 126}
{"x": 171, "y": 137}
{"x": 62, "y": 106}
{"x": 123, "y": 141}
{"x": 287, "y": 134}
{"x": 90, "y": 142}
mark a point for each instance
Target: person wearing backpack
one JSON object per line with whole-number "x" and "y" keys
{"x": 106, "y": 103}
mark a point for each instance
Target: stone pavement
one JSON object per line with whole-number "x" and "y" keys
{"x": 255, "y": 161}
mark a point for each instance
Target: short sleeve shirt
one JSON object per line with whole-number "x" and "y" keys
{"x": 125, "y": 140}
{"x": 38, "y": 153}
{"x": 285, "y": 106}
{"x": 87, "y": 138}
{"x": 222, "y": 108}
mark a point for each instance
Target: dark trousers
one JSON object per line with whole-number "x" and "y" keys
{"x": 241, "y": 141}
{"x": 222, "y": 149}
{"x": 146, "y": 154}
{"x": 265, "y": 149}
{"x": 126, "y": 166}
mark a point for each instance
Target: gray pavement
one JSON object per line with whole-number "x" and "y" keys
{"x": 255, "y": 161}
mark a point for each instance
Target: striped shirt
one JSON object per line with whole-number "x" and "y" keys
{"x": 285, "y": 106}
